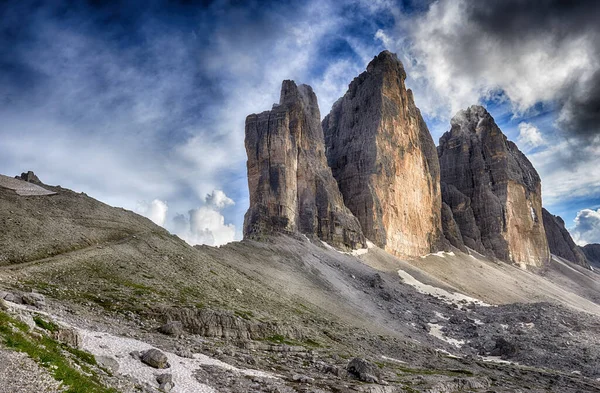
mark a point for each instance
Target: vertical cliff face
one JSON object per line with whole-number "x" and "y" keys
{"x": 385, "y": 161}
{"x": 499, "y": 186}
{"x": 592, "y": 253}
{"x": 560, "y": 241}
{"x": 291, "y": 186}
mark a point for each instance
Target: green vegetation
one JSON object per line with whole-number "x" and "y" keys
{"x": 50, "y": 326}
{"x": 247, "y": 315}
{"x": 51, "y": 355}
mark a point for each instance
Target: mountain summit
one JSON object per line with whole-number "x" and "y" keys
{"x": 291, "y": 186}
{"x": 385, "y": 161}
{"x": 493, "y": 190}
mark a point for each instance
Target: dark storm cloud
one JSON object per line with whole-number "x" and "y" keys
{"x": 510, "y": 22}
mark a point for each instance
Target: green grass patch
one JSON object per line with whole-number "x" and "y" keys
{"x": 46, "y": 325}
{"x": 50, "y": 355}
{"x": 247, "y": 315}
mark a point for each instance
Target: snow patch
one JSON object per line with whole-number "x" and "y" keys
{"x": 441, "y": 254}
{"x": 392, "y": 359}
{"x": 436, "y": 331}
{"x": 496, "y": 359}
{"x": 442, "y": 294}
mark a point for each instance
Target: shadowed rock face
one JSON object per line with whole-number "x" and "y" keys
{"x": 498, "y": 184}
{"x": 592, "y": 252}
{"x": 560, "y": 241}
{"x": 385, "y": 162}
{"x": 291, "y": 186}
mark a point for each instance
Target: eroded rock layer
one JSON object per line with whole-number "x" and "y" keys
{"x": 499, "y": 186}
{"x": 291, "y": 186}
{"x": 592, "y": 253}
{"x": 385, "y": 162}
{"x": 560, "y": 241}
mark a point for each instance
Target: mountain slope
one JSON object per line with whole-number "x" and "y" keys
{"x": 293, "y": 306}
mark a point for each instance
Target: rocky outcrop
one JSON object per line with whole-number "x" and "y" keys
{"x": 29, "y": 177}
{"x": 498, "y": 184}
{"x": 451, "y": 229}
{"x": 559, "y": 240}
{"x": 384, "y": 160}
{"x": 592, "y": 253}
{"x": 291, "y": 186}
{"x": 463, "y": 216}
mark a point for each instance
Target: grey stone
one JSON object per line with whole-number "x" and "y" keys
{"x": 29, "y": 177}
{"x": 292, "y": 189}
{"x": 560, "y": 241}
{"x": 385, "y": 161}
{"x": 592, "y": 253}
{"x": 108, "y": 363}
{"x": 502, "y": 187}
{"x": 165, "y": 382}
{"x": 363, "y": 370}
{"x": 67, "y": 335}
{"x": 300, "y": 378}
{"x": 172, "y": 328}
{"x": 34, "y": 299}
{"x": 155, "y": 358}
{"x": 135, "y": 354}
{"x": 451, "y": 230}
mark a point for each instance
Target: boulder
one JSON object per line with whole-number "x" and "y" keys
{"x": 559, "y": 240}
{"x": 385, "y": 162}
{"x": 504, "y": 348}
{"x": 155, "y": 358}
{"x": 363, "y": 370}
{"x": 493, "y": 190}
{"x": 67, "y": 335}
{"x": 108, "y": 363}
{"x": 172, "y": 328}
{"x": 165, "y": 382}
{"x": 34, "y": 299}
{"x": 291, "y": 187}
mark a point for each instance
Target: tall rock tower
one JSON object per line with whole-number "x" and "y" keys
{"x": 493, "y": 190}
{"x": 291, "y": 187}
{"x": 385, "y": 161}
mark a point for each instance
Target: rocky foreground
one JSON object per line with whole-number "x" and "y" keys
{"x": 133, "y": 308}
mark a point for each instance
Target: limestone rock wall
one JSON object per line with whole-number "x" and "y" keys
{"x": 592, "y": 253}
{"x": 291, "y": 187}
{"x": 560, "y": 241}
{"x": 385, "y": 161}
{"x": 498, "y": 184}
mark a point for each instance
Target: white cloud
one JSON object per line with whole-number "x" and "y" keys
{"x": 454, "y": 63}
{"x": 206, "y": 225}
{"x": 587, "y": 227}
{"x": 155, "y": 211}
{"x": 218, "y": 200}
{"x": 567, "y": 170}
{"x": 529, "y": 136}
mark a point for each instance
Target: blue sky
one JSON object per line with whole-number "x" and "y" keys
{"x": 142, "y": 104}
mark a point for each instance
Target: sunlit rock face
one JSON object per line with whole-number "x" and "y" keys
{"x": 385, "y": 162}
{"x": 291, "y": 187}
{"x": 560, "y": 241}
{"x": 493, "y": 190}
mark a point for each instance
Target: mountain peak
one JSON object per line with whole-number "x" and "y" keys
{"x": 386, "y": 61}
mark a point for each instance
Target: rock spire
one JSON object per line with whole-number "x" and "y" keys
{"x": 385, "y": 161}
{"x": 493, "y": 190}
{"x": 291, "y": 187}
